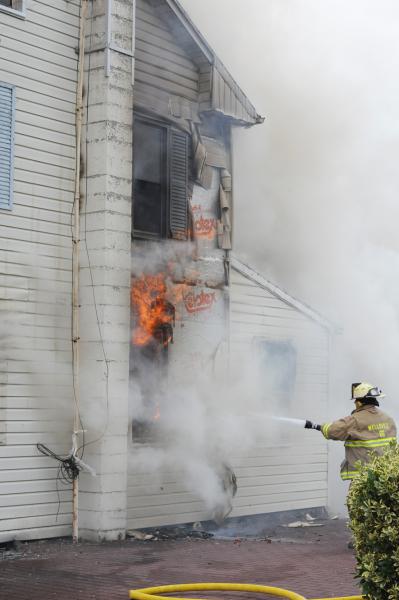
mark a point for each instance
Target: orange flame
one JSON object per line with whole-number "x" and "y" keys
{"x": 154, "y": 303}
{"x": 148, "y": 300}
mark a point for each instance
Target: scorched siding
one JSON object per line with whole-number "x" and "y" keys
{"x": 290, "y": 473}
{"x": 38, "y": 57}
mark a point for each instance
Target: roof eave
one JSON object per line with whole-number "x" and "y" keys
{"x": 208, "y": 52}
{"x": 257, "y": 120}
{"x": 283, "y": 295}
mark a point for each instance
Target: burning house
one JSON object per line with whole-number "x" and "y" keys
{"x": 145, "y": 380}
{"x": 181, "y": 241}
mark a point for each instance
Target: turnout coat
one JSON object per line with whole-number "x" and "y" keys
{"x": 365, "y": 431}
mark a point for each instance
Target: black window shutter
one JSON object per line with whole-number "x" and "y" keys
{"x": 178, "y": 185}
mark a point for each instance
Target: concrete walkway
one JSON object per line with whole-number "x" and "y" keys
{"x": 314, "y": 562}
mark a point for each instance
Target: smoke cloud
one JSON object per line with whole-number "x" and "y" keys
{"x": 198, "y": 422}
{"x": 317, "y": 184}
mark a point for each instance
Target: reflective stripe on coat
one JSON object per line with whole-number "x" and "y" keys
{"x": 367, "y": 430}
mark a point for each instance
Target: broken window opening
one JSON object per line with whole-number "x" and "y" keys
{"x": 149, "y": 371}
{"x": 153, "y": 320}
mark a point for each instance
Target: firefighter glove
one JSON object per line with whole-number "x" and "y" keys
{"x": 310, "y": 425}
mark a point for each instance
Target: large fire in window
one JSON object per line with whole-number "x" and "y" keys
{"x": 154, "y": 316}
{"x": 154, "y": 297}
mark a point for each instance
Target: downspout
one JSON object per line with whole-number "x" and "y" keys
{"x": 75, "y": 261}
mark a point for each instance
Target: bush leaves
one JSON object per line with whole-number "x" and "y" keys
{"x": 373, "y": 504}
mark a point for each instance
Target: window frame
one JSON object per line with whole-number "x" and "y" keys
{"x": 169, "y": 129}
{"x": 18, "y": 9}
{"x": 11, "y": 87}
{"x": 285, "y": 435}
{"x": 146, "y": 235}
{"x": 289, "y": 343}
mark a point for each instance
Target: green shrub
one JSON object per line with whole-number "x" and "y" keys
{"x": 373, "y": 504}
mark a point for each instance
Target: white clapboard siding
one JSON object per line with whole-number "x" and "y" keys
{"x": 258, "y": 312}
{"x": 269, "y": 479}
{"x": 38, "y": 57}
{"x": 34, "y": 499}
{"x": 163, "y": 70}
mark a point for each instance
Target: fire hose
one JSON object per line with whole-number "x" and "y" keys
{"x": 153, "y": 592}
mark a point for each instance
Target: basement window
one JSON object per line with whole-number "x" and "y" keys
{"x": 13, "y": 7}
{"x": 160, "y": 181}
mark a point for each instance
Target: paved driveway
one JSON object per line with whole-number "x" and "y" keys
{"x": 314, "y": 562}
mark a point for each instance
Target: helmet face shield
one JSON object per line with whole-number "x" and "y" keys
{"x": 365, "y": 390}
{"x": 374, "y": 392}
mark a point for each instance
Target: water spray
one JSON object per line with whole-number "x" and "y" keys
{"x": 296, "y": 422}
{"x": 288, "y": 420}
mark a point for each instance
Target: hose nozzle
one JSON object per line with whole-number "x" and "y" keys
{"x": 310, "y": 425}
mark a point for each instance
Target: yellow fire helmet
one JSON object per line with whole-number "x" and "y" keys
{"x": 365, "y": 390}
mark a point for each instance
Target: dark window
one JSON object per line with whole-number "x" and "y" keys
{"x": 160, "y": 174}
{"x": 149, "y": 157}
{"x": 6, "y": 3}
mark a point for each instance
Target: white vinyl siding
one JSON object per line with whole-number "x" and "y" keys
{"x": 163, "y": 500}
{"x": 38, "y": 58}
{"x": 269, "y": 480}
{"x": 163, "y": 69}
{"x": 292, "y": 473}
{"x": 15, "y": 8}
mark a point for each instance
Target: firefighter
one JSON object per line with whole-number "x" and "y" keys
{"x": 365, "y": 431}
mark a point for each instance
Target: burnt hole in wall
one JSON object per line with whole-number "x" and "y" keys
{"x": 153, "y": 322}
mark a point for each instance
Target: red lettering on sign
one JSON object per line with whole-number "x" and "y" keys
{"x": 199, "y": 302}
{"x": 205, "y": 227}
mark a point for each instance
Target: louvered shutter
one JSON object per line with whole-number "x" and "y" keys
{"x": 178, "y": 184}
{"x": 6, "y": 144}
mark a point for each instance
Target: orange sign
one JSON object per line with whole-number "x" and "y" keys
{"x": 199, "y": 302}
{"x": 205, "y": 227}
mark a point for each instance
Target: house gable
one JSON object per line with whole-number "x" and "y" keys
{"x": 177, "y": 72}
{"x": 165, "y": 75}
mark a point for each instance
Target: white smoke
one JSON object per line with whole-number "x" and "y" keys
{"x": 200, "y": 428}
{"x": 317, "y": 184}
{"x": 197, "y": 422}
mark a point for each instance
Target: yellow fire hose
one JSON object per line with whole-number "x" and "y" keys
{"x": 153, "y": 592}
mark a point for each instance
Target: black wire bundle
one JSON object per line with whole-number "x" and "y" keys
{"x": 68, "y": 470}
